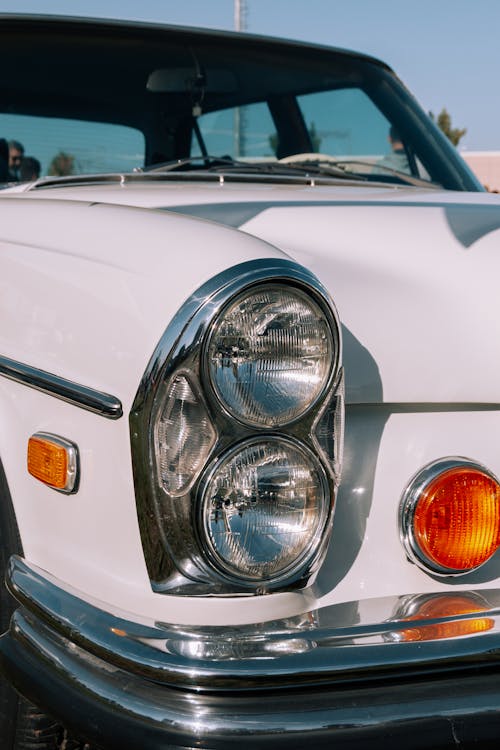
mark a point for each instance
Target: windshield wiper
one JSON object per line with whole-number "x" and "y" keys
{"x": 225, "y": 164}
{"x": 307, "y": 165}
{"x": 207, "y": 162}
{"x": 376, "y": 168}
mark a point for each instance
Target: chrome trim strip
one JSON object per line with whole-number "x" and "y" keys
{"x": 73, "y": 393}
{"x": 195, "y": 176}
{"x": 330, "y": 645}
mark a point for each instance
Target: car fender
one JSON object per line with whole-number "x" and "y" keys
{"x": 86, "y": 293}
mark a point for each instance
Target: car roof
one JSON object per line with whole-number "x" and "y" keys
{"x": 44, "y": 23}
{"x": 63, "y": 67}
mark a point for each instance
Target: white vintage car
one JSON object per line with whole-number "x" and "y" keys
{"x": 249, "y": 400}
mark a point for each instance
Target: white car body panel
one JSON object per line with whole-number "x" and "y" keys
{"x": 129, "y": 285}
{"x": 136, "y": 265}
{"x": 407, "y": 259}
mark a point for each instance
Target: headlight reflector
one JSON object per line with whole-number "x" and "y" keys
{"x": 184, "y": 436}
{"x": 263, "y": 508}
{"x": 270, "y": 355}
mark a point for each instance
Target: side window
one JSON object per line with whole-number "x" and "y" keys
{"x": 64, "y": 147}
{"x": 242, "y": 132}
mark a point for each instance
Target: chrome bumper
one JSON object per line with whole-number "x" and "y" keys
{"x": 333, "y": 676}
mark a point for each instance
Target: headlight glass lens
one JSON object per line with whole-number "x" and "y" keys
{"x": 263, "y": 509}
{"x": 270, "y": 355}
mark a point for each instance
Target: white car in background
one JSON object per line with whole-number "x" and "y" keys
{"x": 249, "y": 400}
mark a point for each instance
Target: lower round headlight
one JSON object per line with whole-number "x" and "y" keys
{"x": 263, "y": 509}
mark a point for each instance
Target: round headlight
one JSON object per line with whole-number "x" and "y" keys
{"x": 263, "y": 509}
{"x": 270, "y": 355}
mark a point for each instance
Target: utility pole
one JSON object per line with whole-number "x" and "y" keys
{"x": 240, "y": 15}
{"x": 240, "y": 24}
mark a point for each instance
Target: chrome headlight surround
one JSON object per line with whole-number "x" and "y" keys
{"x": 169, "y": 497}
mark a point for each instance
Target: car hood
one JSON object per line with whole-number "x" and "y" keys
{"x": 416, "y": 287}
{"x": 412, "y": 272}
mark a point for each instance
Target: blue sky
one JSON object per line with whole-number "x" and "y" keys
{"x": 445, "y": 51}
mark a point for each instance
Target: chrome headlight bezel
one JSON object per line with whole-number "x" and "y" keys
{"x": 176, "y": 559}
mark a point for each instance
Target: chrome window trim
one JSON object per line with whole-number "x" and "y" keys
{"x": 66, "y": 390}
{"x": 412, "y": 493}
{"x": 180, "y": 348}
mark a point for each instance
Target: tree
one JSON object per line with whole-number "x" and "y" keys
{"x": 443, "y": 122}
{"x": 315, "y": 138}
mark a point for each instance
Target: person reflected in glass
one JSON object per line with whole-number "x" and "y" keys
{"x": 396, "y": 158}
{"x": 16, "y": 153}
{"x": 30, "y": 169}
{"x": 4, "y": 160}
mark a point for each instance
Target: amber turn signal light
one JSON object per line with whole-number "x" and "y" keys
{"x": 450, "y": 517}
{"x": 54, "y": 461}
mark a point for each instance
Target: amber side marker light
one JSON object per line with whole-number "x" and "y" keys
{"x": 450, "y": 517}
{"x": 54, "y": 461}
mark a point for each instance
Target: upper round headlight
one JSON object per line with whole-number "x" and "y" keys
{"x": 263, "y": 509}
{"x": 270, "y": 354}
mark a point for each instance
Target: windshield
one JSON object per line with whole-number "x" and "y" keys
{"x": 130, "y": 98}
{"x": 340, "y": 127}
